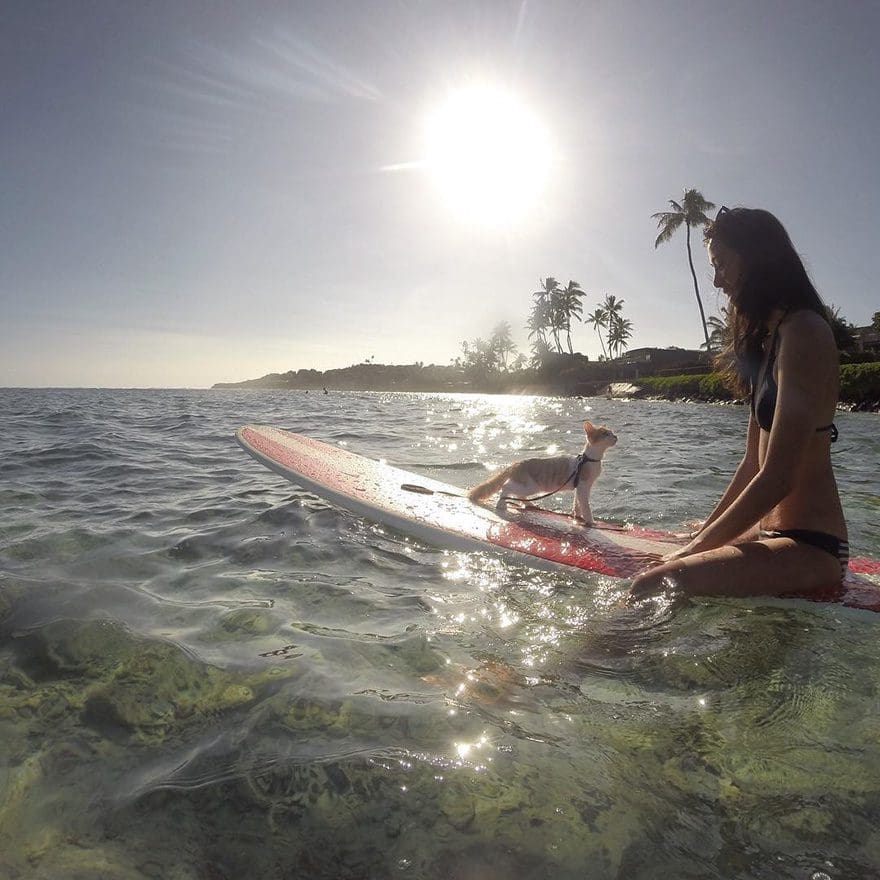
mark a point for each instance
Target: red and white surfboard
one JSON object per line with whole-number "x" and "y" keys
{"x": 438, "y": 513}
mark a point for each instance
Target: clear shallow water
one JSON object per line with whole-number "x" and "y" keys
{"x": 206, "y": 672}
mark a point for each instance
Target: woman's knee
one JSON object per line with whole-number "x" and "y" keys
{"x": 654, "y": 580}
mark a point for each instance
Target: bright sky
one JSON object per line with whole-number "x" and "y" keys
{"x": 197, "y": 192}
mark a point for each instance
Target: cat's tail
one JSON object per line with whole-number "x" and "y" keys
{"x": 490, "y": 486}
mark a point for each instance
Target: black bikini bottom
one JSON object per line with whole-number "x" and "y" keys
{"x": 829, "y": 543}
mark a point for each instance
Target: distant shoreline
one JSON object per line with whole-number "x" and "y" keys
{"x": 873, "y": 407}
{"x": 860, "y": 385}
{"x": 561, "y": 375}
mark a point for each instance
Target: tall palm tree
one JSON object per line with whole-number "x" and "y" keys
{"x": 502, "y": 344}
{"x": 618, "y": 334}
{"x": 539, "y": 317}
{"x": 572, "y": 307}
{"x": 543, "y": 317}
{"x": 613, "y": 307}
{"x": 691, "y": 212}
{"x": 558, "y": 316}
{"x": 538, "y": 323}
{"x": 599, "y": 319}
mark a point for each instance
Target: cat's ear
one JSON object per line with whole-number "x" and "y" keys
{"x": 589, "y": 427}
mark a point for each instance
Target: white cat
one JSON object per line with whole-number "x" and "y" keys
{"x": 550, "y": 475}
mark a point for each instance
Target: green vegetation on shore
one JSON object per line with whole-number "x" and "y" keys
{"x": 859, "y": 387}
{"x": 708, "y": 386}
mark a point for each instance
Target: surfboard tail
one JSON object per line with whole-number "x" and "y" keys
{"x": 490, "y": 486}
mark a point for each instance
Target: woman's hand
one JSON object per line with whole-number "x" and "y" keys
{"x": 700, "y": 543}
{"x": 692, "y": 529}
{"x": 677, "y": 554}
{"x": 688, "y": 550}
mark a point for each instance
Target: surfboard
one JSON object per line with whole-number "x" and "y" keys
{"x": 441, "y": 514}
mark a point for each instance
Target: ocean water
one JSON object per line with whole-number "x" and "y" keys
{"x": 207, "y": 672}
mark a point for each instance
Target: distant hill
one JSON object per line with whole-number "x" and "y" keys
{"x": 561, "y": 374}
{"x": 363, "y": 377}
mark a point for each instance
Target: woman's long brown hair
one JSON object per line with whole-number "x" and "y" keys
{"x": 775, "y": 278}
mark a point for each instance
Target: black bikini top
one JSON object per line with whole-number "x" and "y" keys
{"x": 763, "y": 401}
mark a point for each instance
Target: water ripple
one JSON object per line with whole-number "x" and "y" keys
{"x": 193, "y": 648}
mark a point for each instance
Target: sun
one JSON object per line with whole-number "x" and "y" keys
{"x": 489, "y": 157}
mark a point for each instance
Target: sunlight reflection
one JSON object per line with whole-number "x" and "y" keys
{"x": 471, "y": 753}
{"x": 506, "y": 618}
{"x": 513, "y": 427}
{"x": 482, "y": 571}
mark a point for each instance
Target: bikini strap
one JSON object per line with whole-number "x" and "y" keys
{"x": 775, "y": 342}
{"x": 833, "y": 428}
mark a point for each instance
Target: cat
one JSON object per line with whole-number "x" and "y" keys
{"x": 550, "y": 475}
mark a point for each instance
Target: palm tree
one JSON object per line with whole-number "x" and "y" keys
{"x": 539, "y": 322}
{"x": 572, "y": 307}
{"x": 479, "y": 358}
{"x": 599, "y": 320}
{"x": 618, "y": 334}
{"x": 542, "y": 317}
{"x": 691, "y": 212}
{"x": 720, "y": 330}
{"x": 841, "y": 328}
{"x": 613, "y": 307}
{"x": 501, "y": 344}
{"x": 540, "y": 353}
{"x": 558, "y": 318}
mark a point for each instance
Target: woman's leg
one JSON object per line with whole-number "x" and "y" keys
{"x": 769, "y": 567}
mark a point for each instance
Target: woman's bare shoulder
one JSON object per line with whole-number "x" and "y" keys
{"x": 808, "y": 328}
{"x": 807, "y": 353}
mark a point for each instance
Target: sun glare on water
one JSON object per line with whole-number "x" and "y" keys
{"x": 490, "y": 158}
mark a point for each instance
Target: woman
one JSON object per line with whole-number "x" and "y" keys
{"x": 779, "y": 526}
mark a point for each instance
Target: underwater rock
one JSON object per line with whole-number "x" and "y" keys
{"x": 126, "y": 684}
{"x": 480, "y": 803}
{"x": 249, "y": 622}
{"x": 62, "y": 648}
{"x": 160, "y": 686}
{"x": 418, "y": 655}
{"x": 492, "y": 861}
{"x": 459, "y": 810}
{"x": 352, "y": 716}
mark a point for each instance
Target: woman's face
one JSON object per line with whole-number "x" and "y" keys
{"x": 728, "y": 266}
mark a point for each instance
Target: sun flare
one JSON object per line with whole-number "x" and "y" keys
{"x": 489, "y": 157}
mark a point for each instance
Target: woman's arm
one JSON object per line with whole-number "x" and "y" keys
{"x": 744, "y": 474}
{"x": 804, "y": 364}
